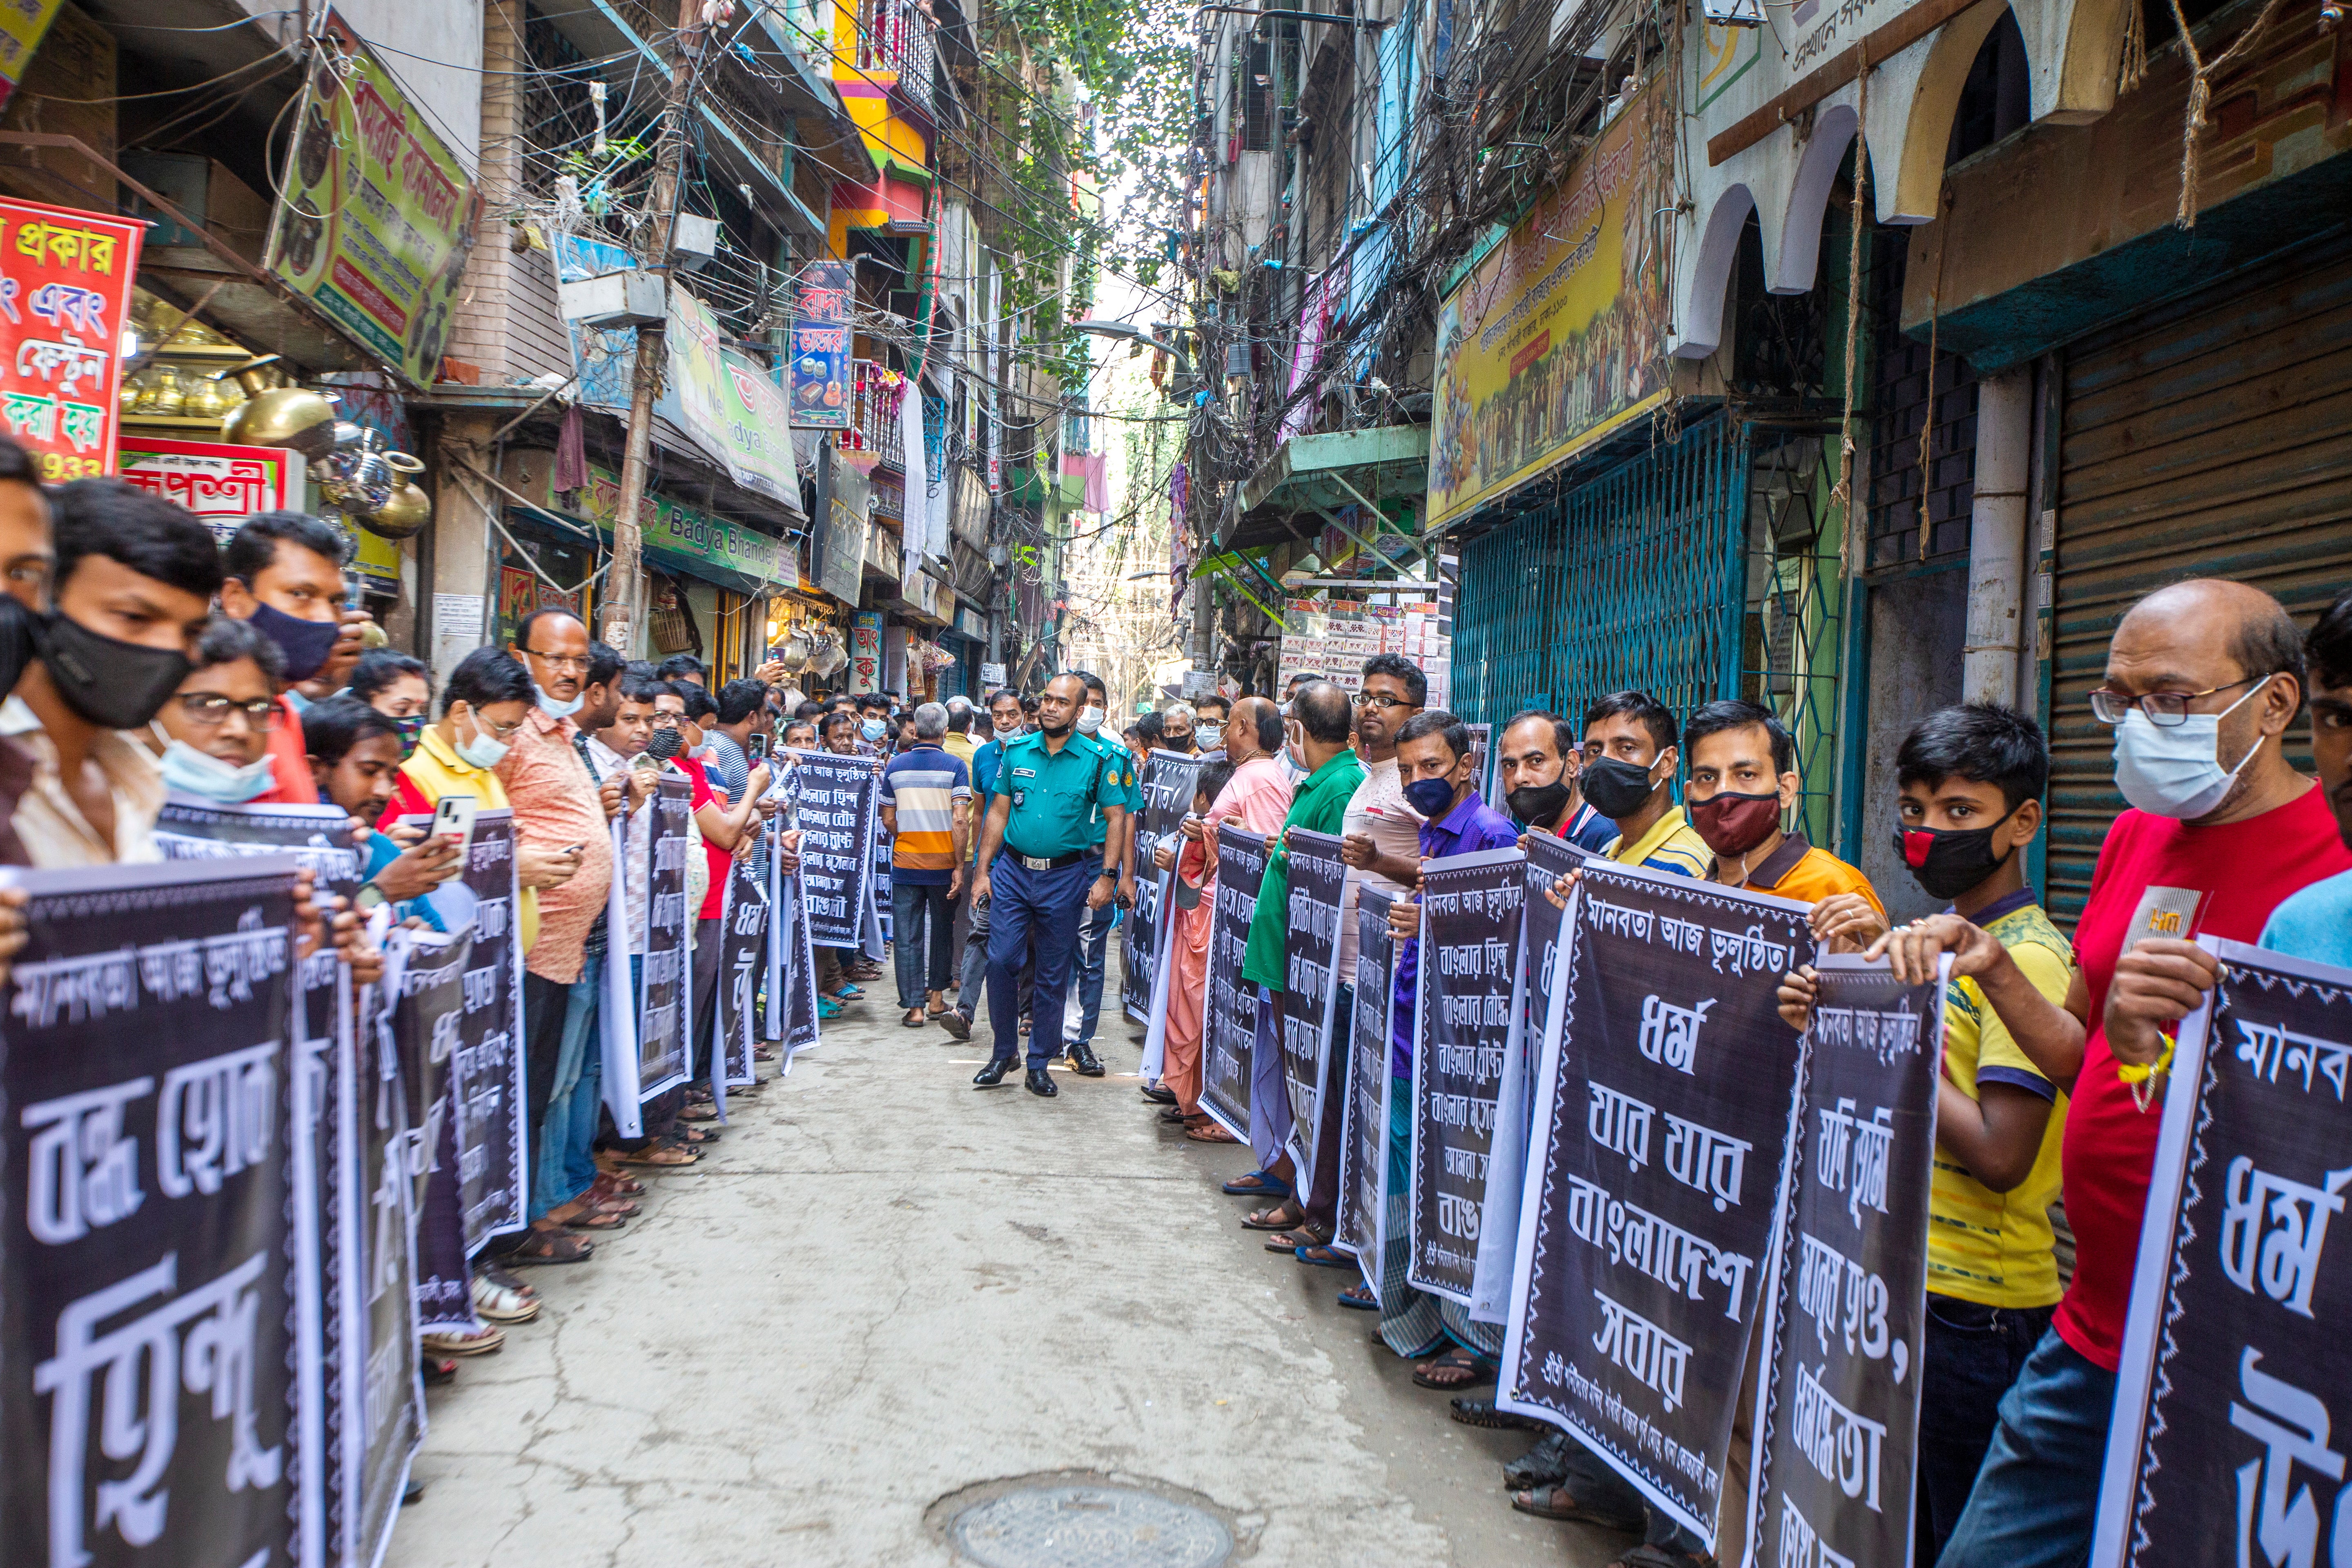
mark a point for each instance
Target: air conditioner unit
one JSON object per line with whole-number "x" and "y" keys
{"x": 616, "y": 299}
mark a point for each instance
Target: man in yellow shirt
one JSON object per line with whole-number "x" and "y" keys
{"x": 1630, "y": 759}
{"x": 1971, "y": 780}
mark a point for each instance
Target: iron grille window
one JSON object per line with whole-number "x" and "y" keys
{"x": 1257, "y": 97}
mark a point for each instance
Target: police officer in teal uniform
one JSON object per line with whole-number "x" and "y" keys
{"x": 1094, "y": 931}
{"x": 1042, "y": 867}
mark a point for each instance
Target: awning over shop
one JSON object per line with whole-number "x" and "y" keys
{"x": 1320, "y": 475}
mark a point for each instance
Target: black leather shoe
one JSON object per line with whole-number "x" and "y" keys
{"x": 991, "y": 1075}
{"x": 1081, "y": 1057}
{"x": 1039, "y": 1083}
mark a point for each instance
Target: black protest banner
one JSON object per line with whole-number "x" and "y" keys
{"x": 1229, "y": 1021}
{"x": 1845, "y": 1312}
{"x": 744, "y": 946}
{"x": 428, "y": 1027}
{"x": 2232, "y": 1393}
{"x": 1364, "y": 1156}
{"x": 1168, "y": 780}
{"x": 1664, "y": 1104}
{"x": 1532, "y": 1014}
{"x": 1310, "y": 992}
{"x": 664, "y": 1053}
{"x": 381, "y": 1374}
{"x": 834, "y": 812}
{"x": 149, "y": 1297}
{"x": 792, "y": 1015}
{"x": 320, "y": 839}
{"x": 1469, "y": 965}
{"x": 486, "y": 1069}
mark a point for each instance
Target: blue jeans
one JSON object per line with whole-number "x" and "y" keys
{"x": 1973, "y": 1354}
{"x": 910, "y": 903}
{"x": 2037, "y": 1496}
{"x": 564, "y": 1167}
{"x": 1091, "y": 963}
{"x": 1032, "y": 917}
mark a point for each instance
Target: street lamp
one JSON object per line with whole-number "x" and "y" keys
{"x": 1136, "y": 334}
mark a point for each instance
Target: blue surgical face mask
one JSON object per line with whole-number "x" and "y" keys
{"x": 485, "y": 750}
{"x": 555, "y": 708}
{"x": 190, "y": 772}
{"x": 873, "y": 729}
{"x": 2175, "y": 770}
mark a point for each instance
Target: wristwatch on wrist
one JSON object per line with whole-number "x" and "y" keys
{"x": 1109, "y": 873}
{"x": 368, "y": 897}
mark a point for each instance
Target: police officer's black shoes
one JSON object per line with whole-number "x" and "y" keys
{"x": 1082, "y": 1058}
{"x": 1039, "y": 1083}
{"x": 993, "y": 1074}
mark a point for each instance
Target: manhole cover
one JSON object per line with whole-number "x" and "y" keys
{"x": 1088, "y": 1527}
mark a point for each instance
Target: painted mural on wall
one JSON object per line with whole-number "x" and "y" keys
{"x": 1559, "y": 336}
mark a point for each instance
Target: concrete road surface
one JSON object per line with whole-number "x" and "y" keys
{"x": 886, "y": 1291}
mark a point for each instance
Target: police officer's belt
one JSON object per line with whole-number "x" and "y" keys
{"x": 1041, "y": 863}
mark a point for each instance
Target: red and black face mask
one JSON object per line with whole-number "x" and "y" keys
{"x": 1949, "y": 861}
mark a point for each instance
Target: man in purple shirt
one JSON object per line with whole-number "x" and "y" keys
{"x": 1433, "y": 764}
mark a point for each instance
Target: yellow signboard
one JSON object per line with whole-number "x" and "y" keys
{"x": 1557, "y": 338}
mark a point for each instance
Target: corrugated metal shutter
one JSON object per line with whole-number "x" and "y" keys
{"x": 2212, "y": 437}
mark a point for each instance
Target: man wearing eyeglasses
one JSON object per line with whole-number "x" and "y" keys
{"x": 2203, "y": 680}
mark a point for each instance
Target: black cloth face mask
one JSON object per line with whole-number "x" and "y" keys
{"x": 1949, "y": 861}
{"x": 114, "y": 685}
{"x": 1615, "y": 788}
{"x": 1538, "y": 805}
{"x": 305, "y": 644}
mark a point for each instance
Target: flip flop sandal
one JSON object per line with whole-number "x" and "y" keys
{"x": 597, "y": 1220}
{"x": 701, "y": 1111}
{"x": 826, "y": 1009}
{"x": 609, "y": 1184}
{"x": 1558, "y": 1502}
{"x": 1482, "y": 1413}
{"x": 915, "y": 1019}
{"x": 1271, "y": 1219}
{"x": 621, "y": 1207}
{"x": 1207, "y": 1132}
{"x": 763, "y": 1053}
{"x": 541, "y": 1247}
{"x": 649, "y": 1159}
{"x": 506, "y": 1281}
{"x": 1158, "y": 1095}
{"x": 1360, "y": 1297}
{"x": 1541, "y": 1467}
{"x": 1295, "y": 1237}
{"x": 1431, "y": 1375}
{"x": 437, "y": 1370}
{"x": 497, "y": 1304}
{"x": 1323, "y": 1254}
{"x": 1256, "y": 1184}
{"x": 1175, "y": 1115}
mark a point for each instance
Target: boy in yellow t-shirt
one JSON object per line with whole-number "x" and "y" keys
{"x": 1972, "y": 779}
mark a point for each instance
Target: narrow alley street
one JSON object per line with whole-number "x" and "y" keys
{"x": 887, "y": 1295}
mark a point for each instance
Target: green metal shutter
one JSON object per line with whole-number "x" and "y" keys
{"x": 1632, "y": 579}
{"x": 2210, "y": 437}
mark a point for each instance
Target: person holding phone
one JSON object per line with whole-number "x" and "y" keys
{"x": 355, "y": 757}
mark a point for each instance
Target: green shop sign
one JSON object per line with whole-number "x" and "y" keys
{"x": 686, "y": 539}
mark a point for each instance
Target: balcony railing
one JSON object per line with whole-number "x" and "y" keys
{"x": 895, "y": 37}
{"x": 874, "y": 394}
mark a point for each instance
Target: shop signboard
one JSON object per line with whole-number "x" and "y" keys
{"x": 222, "y": 484}
{"x": 840, "y": 569}
{"x": 821, "y": 345}
{"x": 21, "y": 26}
{"x": 733, "y": 408}
{"x": 685, "y": 536}
{"x": 379, "y": 215}
{"x": 65, "y": 276}
{"x": 1558, "y": 339}
{"x": 866, "y": 652}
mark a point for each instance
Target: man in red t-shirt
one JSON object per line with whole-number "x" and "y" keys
{"x": 2202, "y": 680}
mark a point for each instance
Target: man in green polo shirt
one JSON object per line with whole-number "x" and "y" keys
{"x": 1038, "y": 874}
{"x": 1326, "y": 718}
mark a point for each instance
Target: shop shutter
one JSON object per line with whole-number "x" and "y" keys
{"x": 2209, "y": 437}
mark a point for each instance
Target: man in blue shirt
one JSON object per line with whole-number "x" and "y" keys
{"x": 1435, "y": 765}
{"x": 1005, "y": 713}
{"x": 2317, "y": 923}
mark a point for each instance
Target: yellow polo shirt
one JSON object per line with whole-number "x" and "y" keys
{"x": 1672, "y": 844}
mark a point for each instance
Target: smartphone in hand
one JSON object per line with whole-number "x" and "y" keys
{"x": 758, "y": 751}
{"x": 453, "y": 814}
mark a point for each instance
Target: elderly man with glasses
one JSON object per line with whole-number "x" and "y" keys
{"x": 2203, "y": 680}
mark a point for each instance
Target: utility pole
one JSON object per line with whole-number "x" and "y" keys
{"x": 624, "y": 583}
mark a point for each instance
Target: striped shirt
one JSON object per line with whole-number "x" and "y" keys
{"x": 922, "y": 786}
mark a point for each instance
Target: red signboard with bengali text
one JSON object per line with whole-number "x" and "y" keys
{"x": 65, "y": 299}
{"x": 222, "y": 485}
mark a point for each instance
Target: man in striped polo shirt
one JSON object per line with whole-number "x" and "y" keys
{"x": 926, "y": 804}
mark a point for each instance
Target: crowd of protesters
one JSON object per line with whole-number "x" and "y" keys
{"x": 2055, "y": 1048}
{"x": 145, "y": 660}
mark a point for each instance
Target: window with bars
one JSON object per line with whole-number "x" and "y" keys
{"x": 1705, "y": 567}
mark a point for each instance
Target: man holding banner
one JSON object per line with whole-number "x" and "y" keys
{"x": 1320, "y": 805}
{"x": 1048, "y": 788}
